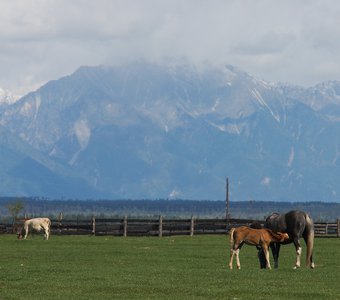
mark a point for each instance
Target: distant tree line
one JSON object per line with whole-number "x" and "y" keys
{"x": 12, "y": 207}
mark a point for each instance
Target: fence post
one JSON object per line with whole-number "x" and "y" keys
{"x": 125, "y": 226}
{"x": 93, "y": 226}
{"x": 160, "y": 226}
{"x": 192, "y": 226}
{"x": 338, "y": 228}
{"x": 60, "y": 218}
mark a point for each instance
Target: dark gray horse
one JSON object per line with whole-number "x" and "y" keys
{"x": 297, "y": 224}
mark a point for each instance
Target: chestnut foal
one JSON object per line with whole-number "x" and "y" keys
{"x": 256, "y": 237}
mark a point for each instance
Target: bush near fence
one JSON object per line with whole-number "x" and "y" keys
{"x": 156, "y": 227}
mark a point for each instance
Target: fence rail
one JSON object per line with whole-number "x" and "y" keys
{"x": 156, "y": 227}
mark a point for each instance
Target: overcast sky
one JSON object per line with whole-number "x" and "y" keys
{"x": 291, "y": 41}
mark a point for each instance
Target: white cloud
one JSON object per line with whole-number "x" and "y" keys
{"x": 291, "y": 41}
{"x": 265, "y": 181}
{"x": 291, "y": 157}
{"x": 174, "y": 194}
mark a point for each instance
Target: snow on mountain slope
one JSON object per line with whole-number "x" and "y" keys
{"x": 6, "y": 97}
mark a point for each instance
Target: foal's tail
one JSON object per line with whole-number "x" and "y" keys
{"x": 231, "y": 234}
{"x": 309, "y": 239}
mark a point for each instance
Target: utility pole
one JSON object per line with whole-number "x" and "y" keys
{"x": 227, "y": 214}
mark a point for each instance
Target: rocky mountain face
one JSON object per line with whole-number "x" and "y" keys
{"x": 175, "y": 131}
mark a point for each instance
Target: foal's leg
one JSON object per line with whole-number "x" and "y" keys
{"x": 238, "y": 264}
{"x": 298, "y": 252}
{"x": 266, "y": 253}
{"x": 232, "y": 252}
{"x": 237, "y": 252}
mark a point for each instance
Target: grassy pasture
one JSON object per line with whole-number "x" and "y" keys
{"x": 83, "y": 267}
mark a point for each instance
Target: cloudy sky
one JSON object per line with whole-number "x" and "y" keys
{"x": 285, "y": 40}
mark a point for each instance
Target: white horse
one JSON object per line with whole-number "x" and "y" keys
{"x": 36, "y": 224}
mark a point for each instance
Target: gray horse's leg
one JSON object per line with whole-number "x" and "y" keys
{"x": 276, "y": 251}
{"x": 309, "y": 240}
{"x": 298, "y": 253}
{"x": 262, "y": 258}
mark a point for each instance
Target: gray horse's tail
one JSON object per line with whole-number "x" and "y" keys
{"x": 309, "y": 239}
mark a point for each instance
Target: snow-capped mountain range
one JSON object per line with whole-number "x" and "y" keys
{"x": 175, "y": 131}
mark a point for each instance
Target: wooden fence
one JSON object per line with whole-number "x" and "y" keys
{"x": 157, "y": 227}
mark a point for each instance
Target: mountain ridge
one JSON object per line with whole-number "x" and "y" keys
{"x": 149, "y": 131}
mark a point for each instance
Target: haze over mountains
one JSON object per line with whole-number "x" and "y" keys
{"x": 150, "y": 131}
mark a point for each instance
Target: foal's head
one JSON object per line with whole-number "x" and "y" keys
{"x": 284, "y": 237}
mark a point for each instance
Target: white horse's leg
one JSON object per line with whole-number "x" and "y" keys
{"x": 26, "y": 232}
{"x": 46, "y": 233}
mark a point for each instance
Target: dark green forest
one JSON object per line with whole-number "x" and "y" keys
{"x": 257, "y": 210}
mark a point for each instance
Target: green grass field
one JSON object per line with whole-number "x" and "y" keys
{"x": 83, "y": 267}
